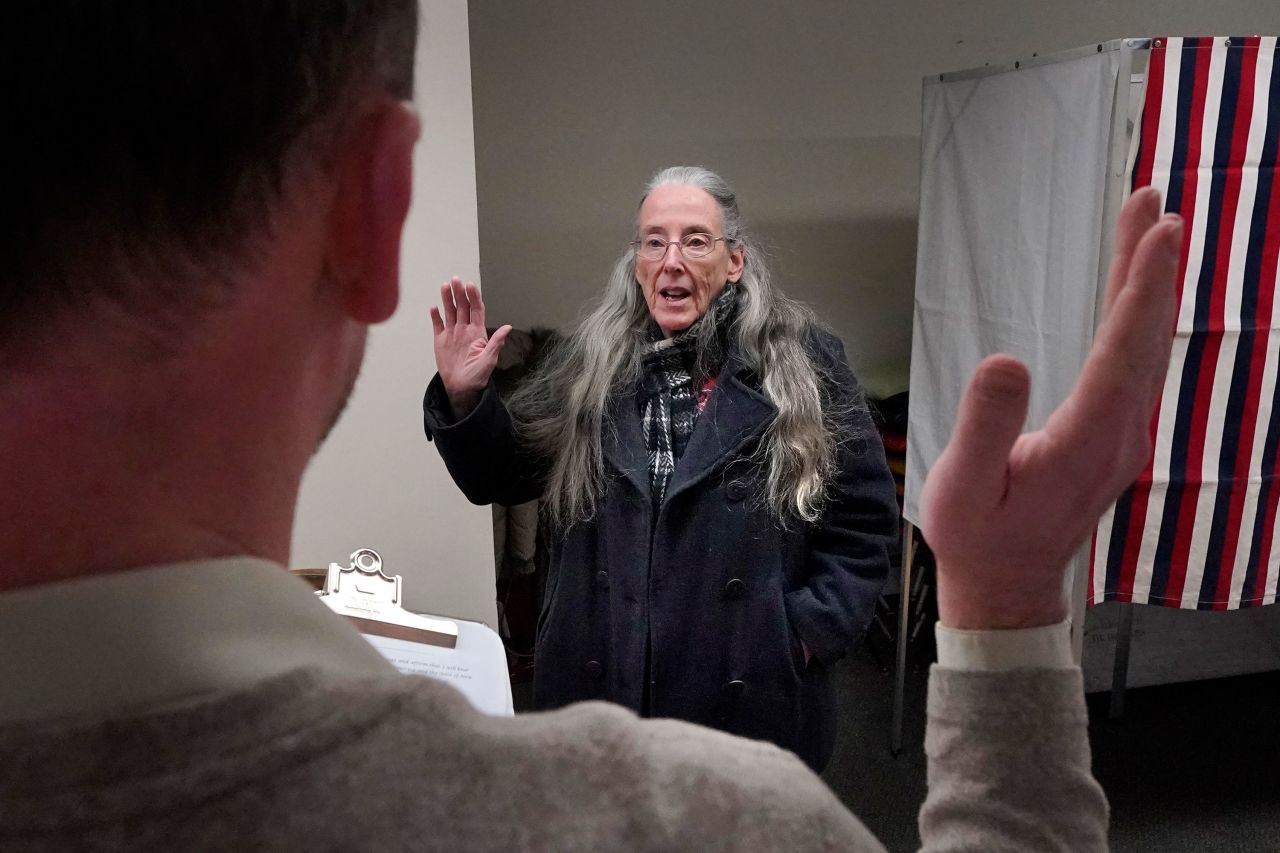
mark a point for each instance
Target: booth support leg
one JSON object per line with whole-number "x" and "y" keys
{"x": 904, "y": 618}
{"x": 1120, "y": 674}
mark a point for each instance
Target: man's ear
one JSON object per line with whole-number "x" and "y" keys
{"x": 374, "y": 188}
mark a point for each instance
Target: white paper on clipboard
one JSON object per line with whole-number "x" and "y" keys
{"x": 466, "y": 655}
{"x": 477, "y": 666}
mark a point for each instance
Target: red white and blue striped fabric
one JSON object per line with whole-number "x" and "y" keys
{"x": 1197, "y": 530}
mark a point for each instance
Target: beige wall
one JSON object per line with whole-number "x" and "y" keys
{"x": 376, "y": 482}
{"x": 811, "y": 109}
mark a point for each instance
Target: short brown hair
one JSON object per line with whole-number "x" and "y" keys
{"x": 150, "y": 138}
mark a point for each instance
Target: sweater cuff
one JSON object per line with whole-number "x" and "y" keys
{"x": 1047, "y": 647}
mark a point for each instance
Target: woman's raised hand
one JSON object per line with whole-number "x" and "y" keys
{"x": 465, "y": 353}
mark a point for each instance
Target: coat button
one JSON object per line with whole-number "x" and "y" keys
{"x": 736, "y": 491}
{"x": 735, "y": 588}
{"x": 734, "y": 689}
{"x": 594, "y": 669}
{"x": 602, "y": 579}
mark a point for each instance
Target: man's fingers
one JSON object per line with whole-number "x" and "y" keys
{"x": 437, "y": 324}
{"x": 1140, "y": 212}
{"x": 1126, "y": 367}
{"x": 1154, "y": 284}
{"x": 991, "y": 416}
{"x": 446, "y": 302}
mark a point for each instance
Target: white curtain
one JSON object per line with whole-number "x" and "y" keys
{"x": 1012, "y": 209}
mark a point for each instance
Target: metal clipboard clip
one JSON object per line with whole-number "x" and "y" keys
{"x": 371, "y": 599}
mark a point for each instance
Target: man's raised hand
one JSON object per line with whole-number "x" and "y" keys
{"x": 1004, "y": 512}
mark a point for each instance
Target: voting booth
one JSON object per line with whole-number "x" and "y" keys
{"x": 1024, "y": 167}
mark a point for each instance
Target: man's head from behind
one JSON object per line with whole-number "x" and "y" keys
{"x": 201, "y": 217}
{"x": 151, "y": 142}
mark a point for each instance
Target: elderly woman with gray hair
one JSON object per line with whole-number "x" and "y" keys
{"x": 718, "y": 502}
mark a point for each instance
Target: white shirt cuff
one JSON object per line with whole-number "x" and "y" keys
{"x": 1046, "y": 647}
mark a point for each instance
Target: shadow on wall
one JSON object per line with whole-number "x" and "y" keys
{"x": 859, "y": 275}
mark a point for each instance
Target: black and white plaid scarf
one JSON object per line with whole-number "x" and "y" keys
{"x": 673, "y": 371}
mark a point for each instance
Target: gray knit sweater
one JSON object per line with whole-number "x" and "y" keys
{"x": 312, "y": 762}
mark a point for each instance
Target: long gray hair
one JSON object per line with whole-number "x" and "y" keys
{"x": 560, "y": 411}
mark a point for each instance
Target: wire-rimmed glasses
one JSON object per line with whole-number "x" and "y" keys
{"x": 654, "y": 248}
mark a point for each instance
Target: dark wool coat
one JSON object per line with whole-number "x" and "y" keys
{"x": 714, "y": 590}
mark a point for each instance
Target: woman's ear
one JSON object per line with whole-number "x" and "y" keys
{"x": 737, "y": 260}
{"x": 374, "y": 189}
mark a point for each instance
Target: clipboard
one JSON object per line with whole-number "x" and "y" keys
{"x": 467, "y": 655}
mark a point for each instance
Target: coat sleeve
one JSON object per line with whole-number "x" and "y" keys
{"x": 481, "y": 451}
{"x": 1009, "y": 763}
{"x": 849, "y": 545}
